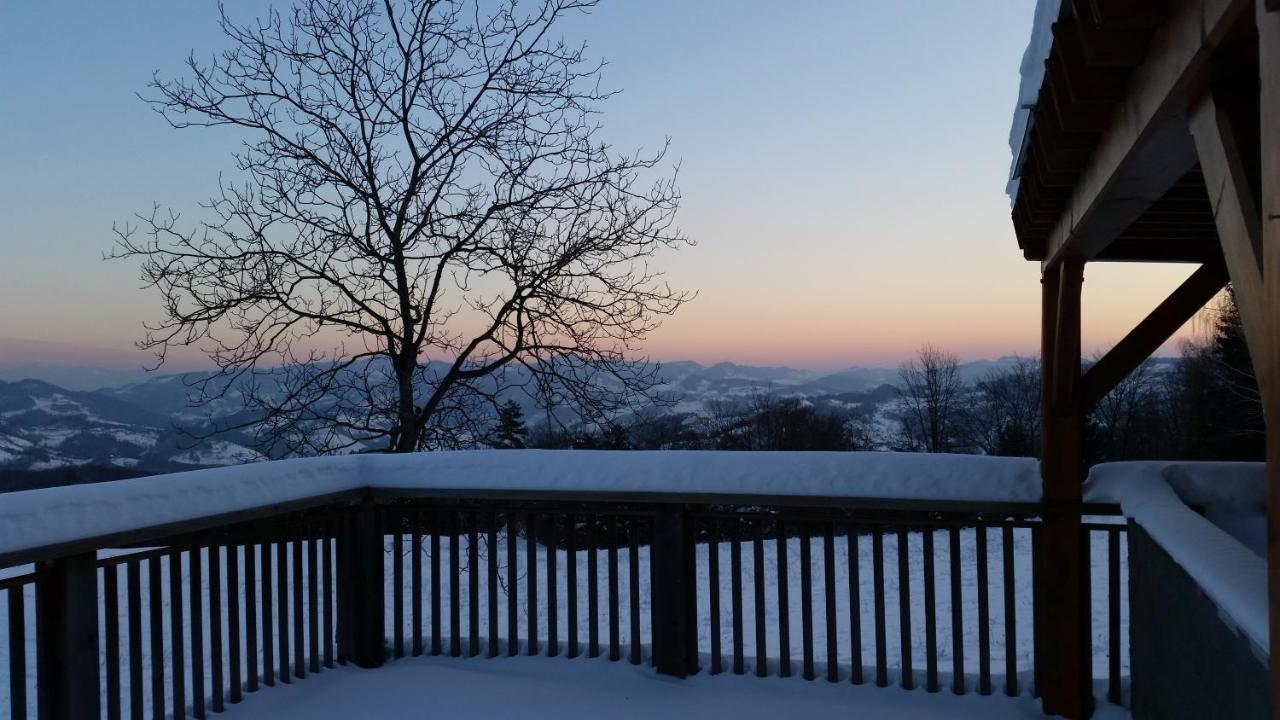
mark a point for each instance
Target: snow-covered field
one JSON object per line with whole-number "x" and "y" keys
{"x": 1022, "y": 608}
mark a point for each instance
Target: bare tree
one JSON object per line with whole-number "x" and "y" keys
{"x": 932, "y": 416}
{"x": 1005, "y": 413}
{"x": 427, "y": 217}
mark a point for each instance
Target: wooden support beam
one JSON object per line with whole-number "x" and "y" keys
{"x": 1268, "y": 21}
{"x": 1145, "y": 150}
{"x": 361, "y": 554}
{"x": 1063, "y": 654}
{"x": 1154, "y": 330}
{"x": 67, "y": 638}
{"x": 1238, "y": 218}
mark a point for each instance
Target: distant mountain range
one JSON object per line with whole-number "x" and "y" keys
{"x": 133, "y": 426}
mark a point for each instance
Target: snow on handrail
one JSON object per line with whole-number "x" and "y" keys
{"x": 51, "y": 516}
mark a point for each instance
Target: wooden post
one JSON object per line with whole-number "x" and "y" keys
{"x": 1063, "y": 656}
{"x": 674, "y": 595}
{"x": 67, "y": 638}
{"x": 1268, "y": 19}
{"x": 361, "y": 556}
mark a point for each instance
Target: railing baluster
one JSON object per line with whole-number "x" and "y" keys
{"x": 984, "y": 612}
{"x": 282, "y": 609}
{"x": 633, "y": 587}
{"x": 175, "y": 635}
{"x": 829, "y": 577}
{"x": 1114, "y": 692}
{"x": 326, "y": 571}
{"x": 455, "y": 584}
{"x": 855, "y": 606}
{"x": 806, "y": 599}
{"x": 397, "y": 590}
{"x": 251, "y": 614}
{"x": 957, "y": 614}
{"x": 233, "y": 620}
{"x": 757, "y": 574}
{"x": 437, "y": 526}
{"x": 215, "y": 626}
{"x": 415, "y": 541}
{"x": 930, "y": 613}
{"x": 313, "y": 598}
{"x": 713, "y": 590}
{"x": 553, "y": 629}
{"x": 735, "y": 590}
{"x": 196, "y": 604}
{"x": 593, "y": 586}
{"x": 877, "y": 570}
{"x": 1010, "y": 617}
{"x": 133, "y": 594}
{"x": 784, "y": 614}
{"x": 492, "y": 585}
{"x": 614, "y": 609}
{"x": 299, "y": 619}
{"x": 473, "y": 585}
{"x": 268, "y": 629}
{"x": 571, "y": 599}
{"x": 18, "y": 651}
{"x": 531, "y": 577}
{"x": 513, "y": 589}
{"x": 904, "y": 609}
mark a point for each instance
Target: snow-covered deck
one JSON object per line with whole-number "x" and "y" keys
{"x": 555, "y": 687}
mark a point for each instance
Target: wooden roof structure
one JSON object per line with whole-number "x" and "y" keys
{"x": 1154, "y": 137}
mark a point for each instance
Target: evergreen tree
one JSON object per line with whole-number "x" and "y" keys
{"x": 511, "y": 433}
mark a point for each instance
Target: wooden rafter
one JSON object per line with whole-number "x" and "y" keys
{"x": 1154, "y": 331}
{"x": 1144, "y": 151}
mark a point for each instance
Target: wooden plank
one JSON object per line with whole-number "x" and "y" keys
{"x": 713, "y": 594}
{"x": 217, "y": 662}
{"x": 571, "y": 580}
{"x": 806, "y": 602}
{"x": 437, "y": 526}
{"x": 455, "y": 592}
{"x": 282, "y": 610}
{"x": 735, "y": 595}
{"x": 155, "y": 627}
{"x": 904, "y": 610}
{"x": 18, "y": 649}
{"x": 1144, "y": 151}
{"x": 615, "y": 652}
{"x": 877, "y": 586}
{"x": 397, "y": 592}
{"x": 67, "y": 671}
{"x": 1010, "y": 617}
{"x": 1238, "y": 218}
{"x": 1154, "y": 330}
{"x": 1114, "y": 691}
{"x": 415, "y": 580}
{"x": 784, "y": 614}
{"x": 930, "y": 614}
{"x": 984, "y": 612}
{"x": 1267, "y": 17}
{"x": 633, "y": 590}
{"x": 365, "y": 549}
{"x": 855, "y": 607}
{"x": 473, "y": 585}
{"x": 250, "y": 616}
{"x": 299, "y": 612}
{"x": 513, "y": 589}
{"x": 133, "y": 605}
{"x": 675, "y": 617}
{"x": 758, "y": 611}
{"x": 268, "y": 628}
{"x": 326, "y": 564}
{"x": 829, "y": 610}
{"x": 957, "y": 613}
{"x": 491, "y": 584}
{"x": 313, "y": 600}
{"x": 233, "y": 623}
{"x": 593, "y": 585}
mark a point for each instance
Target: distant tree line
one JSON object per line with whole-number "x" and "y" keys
{"x": 1201, "y": 405}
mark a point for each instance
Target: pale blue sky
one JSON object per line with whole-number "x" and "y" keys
{"x": 843, "y": 165}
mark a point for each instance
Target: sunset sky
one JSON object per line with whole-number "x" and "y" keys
{"x": 843, "y": 165}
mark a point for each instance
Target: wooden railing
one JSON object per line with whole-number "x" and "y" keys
{"x": 935, "y": 595}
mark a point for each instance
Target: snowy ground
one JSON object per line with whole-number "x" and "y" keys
{"x": 1022, "y": 609}
{"x": 544, "y": 687}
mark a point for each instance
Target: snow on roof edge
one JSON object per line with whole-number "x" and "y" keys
{"x": 1032, "y": 73}
{"x": 33, "y": 519}
{"x": 1232, "y": 575}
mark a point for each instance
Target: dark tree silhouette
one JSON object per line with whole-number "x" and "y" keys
{"x": 422, "y": 180}
{"x": 1005, "y": 411}
{"x": 511, "y": 432}
{"x": 931, "y": 394}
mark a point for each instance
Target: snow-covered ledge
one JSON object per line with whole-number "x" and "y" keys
{"x": 51, "y": 516}
{"x": 1156, "y": 495}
